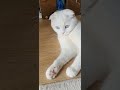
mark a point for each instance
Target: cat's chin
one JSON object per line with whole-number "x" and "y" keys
{"x": 66, "y": 33}
{"x": 63, "y": 35}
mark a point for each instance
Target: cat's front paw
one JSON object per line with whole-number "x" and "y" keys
{"x": 52, "y": 71}
{"x": 71, "y": 72}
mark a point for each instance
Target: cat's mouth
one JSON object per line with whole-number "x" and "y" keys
{"x": 63, "y": 32}
{"x": 66, "y": 33}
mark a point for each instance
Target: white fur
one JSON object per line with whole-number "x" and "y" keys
{"x": 70, "y": 42}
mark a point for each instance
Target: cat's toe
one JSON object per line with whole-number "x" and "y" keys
{"x": 71, "y": 72}
{"x": 49, "y": 75}
{"x": 52, "y": 72}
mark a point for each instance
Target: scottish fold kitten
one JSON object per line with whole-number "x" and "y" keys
{"x": 68, "y": 29}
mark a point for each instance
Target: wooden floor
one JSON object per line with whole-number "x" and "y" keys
{"x": 49, "y": 50}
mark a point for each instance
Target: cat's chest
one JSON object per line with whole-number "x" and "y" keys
{"x": 75, "y": 35}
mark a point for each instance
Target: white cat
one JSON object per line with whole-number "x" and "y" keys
{"x": 68, "y": 29}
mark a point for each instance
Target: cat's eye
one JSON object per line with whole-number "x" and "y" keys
{"x": 67, "y": 26}
{"x": 57, "y": 27}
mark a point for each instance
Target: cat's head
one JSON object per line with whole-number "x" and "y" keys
{"x": 63, "y": 20}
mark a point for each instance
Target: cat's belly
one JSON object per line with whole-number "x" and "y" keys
{"x": 75, "y": 35}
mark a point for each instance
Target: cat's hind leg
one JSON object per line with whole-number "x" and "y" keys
{"x": 74, "y": 69}
{"x": 68, "y": 51}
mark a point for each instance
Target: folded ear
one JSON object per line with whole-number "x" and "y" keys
{"x": 68, "y": 13}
